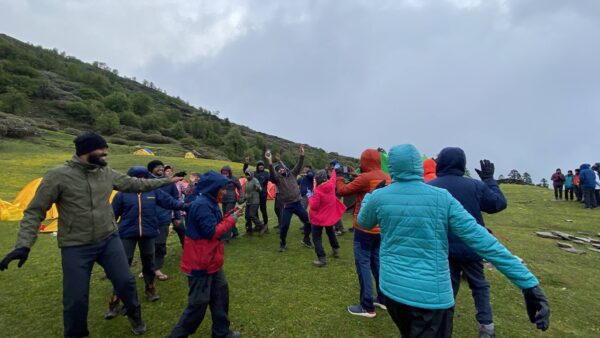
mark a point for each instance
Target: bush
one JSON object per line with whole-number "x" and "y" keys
{"x": 72, "y": 131}
{"x": 15, "y": 127}
{"x": 120, "y": 141}
{"x": 141, "y": 103}
{"x": 150, "y": 138}
{"x": 108, "y": 123}
{"x": 46, "y": 124}
{"x": 117, "y": 102}
{"x": 14, "y": 102}
{"x": 189, "y": 142}
{"x": 78, "y": 110}
{"x": 128, "y": 118}
{"x": 88, "y": 94}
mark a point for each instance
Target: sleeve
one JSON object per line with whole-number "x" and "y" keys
{"x": 492, "y": 198}
{"x": 125, "y": 183}
{"x": 238, "y": 186}
{"x": 463, "y": 225}
{"x": 244, "y": 168}
{"x": 272, "y": 176}
{"x": 174, "y": 192}
{"x": 164, "y": 200}
{"x": 46, "y": 194}
{"x": 257, "y": 183}
{"x": 207, "y": 225}
{"x": 314, "y": 201}
{"x": 360, "y": 184}
{"x": 298, "y": 166}
{"x": 367, "y": 216}
{"x": 117, "y": 205}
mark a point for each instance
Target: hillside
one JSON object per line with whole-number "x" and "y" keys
{"x": 57, "y": 92}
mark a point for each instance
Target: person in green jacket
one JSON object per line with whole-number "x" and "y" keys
{"x": 87, "y": 231}
{"x": 253, "y": 189}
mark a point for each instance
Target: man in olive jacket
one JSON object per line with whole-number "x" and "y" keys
{"x": 87, "y": 232}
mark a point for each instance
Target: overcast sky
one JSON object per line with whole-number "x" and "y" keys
{"x": 515, "y": 81}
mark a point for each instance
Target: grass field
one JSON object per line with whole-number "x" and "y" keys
{"x": 283, "y": 295}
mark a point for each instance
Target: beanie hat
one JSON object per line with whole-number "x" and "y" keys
{"x": 153, "y": 164}
{"x": 87, "y": 142}
{"x": 138, "y": 171}
{"x": 321, "y": 176}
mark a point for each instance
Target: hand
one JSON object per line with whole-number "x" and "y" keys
{"x": 538, "y": 308}
{"x": 302, "y": 150}
{"x": 277, "y": 157}
{"x": 180, "y": 174}
{"x": 269, "y": 157}
{"x": 176, "y": 222}
{"x": 176, "y": 179}
{"x": 21, "y": 254}
{"x": 247, "y": 160}
{"x": 487, "y": 170}
{"x": 238, "y": 212}
{"x": 309, "y": 194}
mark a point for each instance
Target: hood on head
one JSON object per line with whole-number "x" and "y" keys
{"x": 584, "y": 166}
{"x": 228, "y": 169}
{"x": 259, "y": 163}
{"x": 370, "y": 160}
{"x": 310, "y": 175}
{"x": 210, "y": 184}
{"x": 249, "y": 173}
{"x": 278, "y": 165}
{"x": 429, "y": 166}
{"x": 138, "y": 171}
{"x": 451, "y": 161}
{"x": 405, "y": 163}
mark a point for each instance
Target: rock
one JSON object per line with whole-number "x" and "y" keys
{"x": 569, "y": 220}
{"x": 579, "y": 242}
{"x": 583, "y": 239}
{"x": 564, "y": 245}
{"x": 595, "y": 241}
{"x": 547, "y": 234}
{"x": 597, "y": 246}
{"x": 575, "y": 251}
{"x": 583, "y": 233}
{"x": 594, "y": 250}
{"x": 563, "y": 235}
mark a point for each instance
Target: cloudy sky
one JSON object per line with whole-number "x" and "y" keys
{"x": 515, "y": 81}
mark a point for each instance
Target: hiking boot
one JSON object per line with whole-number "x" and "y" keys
{"x": 487, "y": 331}
{"x": 113, "y": 307}
{"x": 263, "y": 230}
{"x": 320, "y": 262}
{"x": 138, "y": 327}
{"x": 233, "y": 334}
{"x": 358, "y": 310}
{"x": 248, "y": 232}
{"x": 281, "y": 247}
{"x": 307, "y": 243}
{"x": 151, "y": 295}
{"x": 336, "y": 253}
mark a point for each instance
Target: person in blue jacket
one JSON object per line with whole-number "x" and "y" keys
{"x": 475, "y": 196}
{"x": 137, "y": 218}
{"x": 587, "y": 180}
{"x": 414, "y": 276}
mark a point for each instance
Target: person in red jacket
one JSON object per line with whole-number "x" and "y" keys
{"x": 429, "y": 167}
{"x": 202, "y": 259}
{"x": 366, "y": 242}
{"x": 326, "y": 210}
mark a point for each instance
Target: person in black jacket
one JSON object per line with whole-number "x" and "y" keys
{"x": 233, "y": 194}
{"x": 262, "y": 176}
{"x": 475, "y": 196}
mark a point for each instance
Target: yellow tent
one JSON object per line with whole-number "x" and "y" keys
{"x": 189, "y": 154}
{"x": 26, "y": 194}
{"x": 10, "y": 212}
{"x": 144, "y": 152}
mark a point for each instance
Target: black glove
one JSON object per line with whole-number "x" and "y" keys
{"x": 487, "y": 170}
{"x": 538, "y": 308}
{"x": 180, "y": 174}
{"x": 21, "y": 254}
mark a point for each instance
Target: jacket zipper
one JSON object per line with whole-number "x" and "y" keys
{"x": 87, "y": 177}
{"x": 140, "y": 213}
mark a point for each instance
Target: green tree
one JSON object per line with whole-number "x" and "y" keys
{"x": 14, "y": 102}
{"x": 259, "y": 142}
{"x": 235, "y": 144}
{"x": 117, "y": 102}
{"x": 141, "y": 103}
{"x": 78, "y": 110}
{"x": 173, "y": 115}
{"x": 128, "y": 118}
{"x": 213, "y": 139}
{"x": 108, "y": 123}
{"x": 150, "y": 123}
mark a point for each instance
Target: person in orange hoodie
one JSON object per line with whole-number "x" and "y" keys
{"x": 366, "y": 242}
{"x": 429, "y": 166}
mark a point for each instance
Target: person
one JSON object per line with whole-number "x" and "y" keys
{"x": 339, "y": 226}
{"x": 165, "y": 218}
{"x": 325, "y": 211}
{"x": 253, "y": 190}
{"x": 234, "y": 194}
{"x": 182, "y": 186}
{"x": 137, "y": 222}
{"x": 415, "y": 219}
{"x": 306, "y": 183}
{"x": 263, "y": 178}
{"x": 366, "y": 241}
{"x": 202, "y": 259}
{"x": 577, "y": 186}
{"x": 475, "y": 196}
{"x": 168, "y": 171}
{"x": 596, "y": 169}
{"x": 558, "y": 180}
{"x": 587, "y": 180}
{"x": 429, "y": 168}
{"x": 87, "y": 233}
{"x": 569, "y": 187}
{"x": 289, "y": 195}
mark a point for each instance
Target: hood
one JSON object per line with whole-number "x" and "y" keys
{"x": 429, "y": 166}
{"x": 75, "y": 161}
{"x": 228, "y": 168}
{"x": 405, "y": 163}
{"x": 584, "y": 166}
{"x": 451, "y": 161}
{"x": 210, "y": 184}
{"x": 280, "y": 164}
{"x": 138, "y": 171}
{"x": 370, "y": 160}
{"x": 259, "y": 163}
{"x": 310, "y": 175}
{"x": 250, "y": 173}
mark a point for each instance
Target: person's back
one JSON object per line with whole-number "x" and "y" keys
{"x": 429, "y": 167}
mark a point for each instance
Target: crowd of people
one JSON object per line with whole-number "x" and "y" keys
{"x": 416, "y": 231}
{"x": 584, "y": 184}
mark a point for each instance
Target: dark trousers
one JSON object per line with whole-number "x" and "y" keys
{"x": 77, "y": 264}
{"x": 278, "y": 209}
{"x": 252, "y": 217}
{"x": 415, "y": 322}
{"x": 578, "y": 193}
{"x": 286, "y": 217}
{"x": 210, "y": 290}
{"x": 160, "y": 246}
{"x": 339, "y": 226}
{"x": 180, "y": 230}
{"x": 304, "y": 202}
{"x": 366, "y": 258}
{"x": 226, "y": 207}
{"x": 146, "y": 246}
{"x": 317, "y": 232}
{"x": 558, "y": 192}
{"x": 263, "y": 208}
{"x": 480, "y": 287}
{"x": 589, "y": 197}
{"x": 569, "y": 193}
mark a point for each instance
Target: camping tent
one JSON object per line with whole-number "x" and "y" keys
{"x": 271, "y": 188}
{"x": 189, "y": 154}
{"x": 10, "y": 212}
{"x": 144, "y": 152}
{"x": 26, "y": 194}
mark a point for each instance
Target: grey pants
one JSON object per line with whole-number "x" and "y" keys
{"x": 160, "y": 247}
{"x": 146, "y": 246}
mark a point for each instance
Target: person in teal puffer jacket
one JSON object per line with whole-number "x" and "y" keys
{"x": 415, "y": 219}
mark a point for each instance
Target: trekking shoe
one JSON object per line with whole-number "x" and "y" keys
{"x": 358, "y": 310}
{"x": 336, "y": 253}
{"x": 281, "y": 247}
{"x": 338, "y": 233}
{"x": 113, "y": 307}
{"x": 380, "y": 305}
{"x": 151, "y": 295}
{"x": 320, "y": 262}
{"x": 138, "y": 327}
{"x": 307, "y": 243}
{"x": 233, "y": 334}
{"x": 263, "y": 230}
{"x": 487, "y": 331}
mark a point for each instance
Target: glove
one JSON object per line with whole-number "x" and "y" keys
{"x": 21, "y": 254}
{"x": 180, "y": 174}
{"x": 538, "y": 308}
{"x": 487, "y": 170}
{"x": 309, "y": 193}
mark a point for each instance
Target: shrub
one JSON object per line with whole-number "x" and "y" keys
{"x": 118, "y": 140}
{"x": 17, "y": 127}
{"x": 141, "y": 103}
{"x": 189, "y": 142}
{"x": 128, "y": 118}
{"x": 14, "y": 102}
{"x": 72, "y": 131}
{"x": 117, "y": 102}
{"x": 108, "y": 123}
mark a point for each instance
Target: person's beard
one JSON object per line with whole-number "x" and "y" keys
{"x": 97, "y": 160}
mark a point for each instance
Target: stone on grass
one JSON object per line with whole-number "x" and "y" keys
{"x": 563, "y": 235}
{"x": 564, "y": 245}
{"x": 573, "y": 250}
{"x": 597, "y": 246}
{"x": 547, "y": 234}
{"x": 576, "y": 241}
{"x": 595, "y": 241}
{"x": 594, "y": 250}
{"x": 584, "y": 239}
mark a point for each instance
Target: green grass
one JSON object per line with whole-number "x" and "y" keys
{"x": 283, "y": 295}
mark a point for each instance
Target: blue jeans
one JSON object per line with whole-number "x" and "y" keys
{"x": 366, "y": 257}
{"x": 480, "y": 287}
{"x": 77, "y": 264}
{"x": 288, "y": 210}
